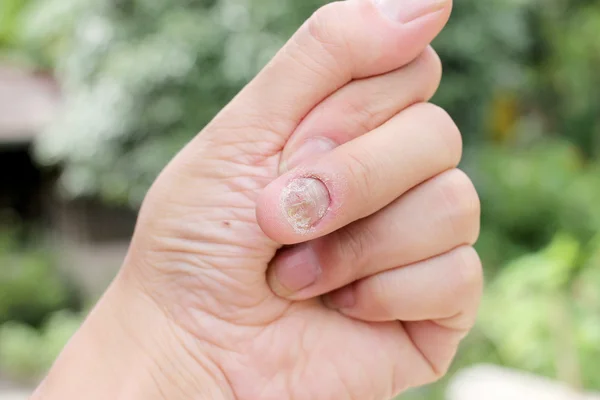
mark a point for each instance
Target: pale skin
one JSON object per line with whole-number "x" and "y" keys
{"x": 382, "y": 284}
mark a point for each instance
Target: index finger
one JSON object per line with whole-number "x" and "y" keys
{"x": 360, "y": 177}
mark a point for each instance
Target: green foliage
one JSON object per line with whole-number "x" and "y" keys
{"x": 566, "y": 77}
{"x": 541, "y": 247}
{"x": 27, "y": 353}
{"x": 10, "y": 13}
{"x": 542, "y": 315}
{"x": 529, "y": 193}
{"x": 535, "y": 285}
{"x": 15, "y": 47}
{"x": 484, "y": 50}
{"x": 30, "y": 287}
{"x": 34, "y": 301}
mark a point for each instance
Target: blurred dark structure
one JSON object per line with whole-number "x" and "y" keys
{"x": 92, "y": 237}
{"x": 27, "y": 102}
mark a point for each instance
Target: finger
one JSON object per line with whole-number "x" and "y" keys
{"x": 447, "y": 287}
{"x": 360, "y": 177}
{"x": 435, "y": 217}
{"x": 342, "y": 41}
{"x": 437, "y": 300}
{"x": 360, "y": 107}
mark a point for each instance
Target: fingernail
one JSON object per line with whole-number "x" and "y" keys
{"x": 310, "y": 148}
{"x": 304, "y": 202}
{"x": 342, "y": 298}
{"x": 294, "y": 269}
{"x": 408, "y": 10}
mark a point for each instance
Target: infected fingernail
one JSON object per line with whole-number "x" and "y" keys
{"x": 294, "y": 269}
{"x": 405, "y": 11}
{"x": 304, "y": 202}
{"x": 342, "y": 298}
{"x": 310, "y": 148}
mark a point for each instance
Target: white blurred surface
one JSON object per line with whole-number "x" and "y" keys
{"x": 27, "y": 103}
{"x": 487, "y": 382}
{"x": 14, "y": 395}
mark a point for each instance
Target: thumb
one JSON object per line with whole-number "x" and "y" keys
{"x": 342, "y": 41}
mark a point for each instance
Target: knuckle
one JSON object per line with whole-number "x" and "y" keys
{"x": 366, "y": 114}
{"x": 450, "y": 136}
{"x": 469, "y": 273}
{"x": 320, "y": 46}
{"x": 380, "y": 301}
{"x": 362, "y": 171}
{"x": 430, "y": 66}
{"x": 325, "y": 31}
{"x": 319, "y": 25}
{"x": 461, "y": 204}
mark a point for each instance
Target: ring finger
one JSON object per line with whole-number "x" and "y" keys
{"x": 442, "y": 288}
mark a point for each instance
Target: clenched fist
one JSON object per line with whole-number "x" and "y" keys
{"x": 312, "y": 243}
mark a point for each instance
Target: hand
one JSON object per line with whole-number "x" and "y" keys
{"x": 332, "y": 151}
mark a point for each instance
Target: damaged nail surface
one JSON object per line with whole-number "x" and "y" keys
{"x": 305, "y": 202}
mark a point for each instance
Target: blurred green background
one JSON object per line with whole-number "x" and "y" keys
{"x": 140, "y": 77}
